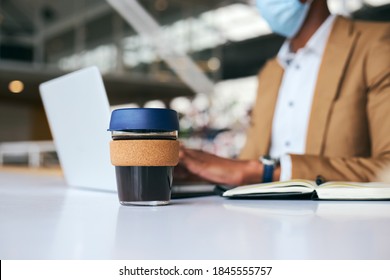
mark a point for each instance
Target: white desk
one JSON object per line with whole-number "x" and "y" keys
{"x": 41, "y": 218}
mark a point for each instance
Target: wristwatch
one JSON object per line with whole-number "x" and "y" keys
{"x": 269, "y": 167}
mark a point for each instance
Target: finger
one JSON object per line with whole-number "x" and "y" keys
{"x": 198, "y": 154}
{"x": 183, "y": 151}
{"x": 181, "y": 154}
{"x": 192, "y": 163}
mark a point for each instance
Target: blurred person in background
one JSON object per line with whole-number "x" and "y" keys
{"x": 322, "y": 106}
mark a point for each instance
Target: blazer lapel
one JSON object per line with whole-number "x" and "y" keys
{"x": 336, "y": 55}
{"x": 268, "y": 91}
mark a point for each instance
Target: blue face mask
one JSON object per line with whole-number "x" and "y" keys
{"x": 285, "y": 17}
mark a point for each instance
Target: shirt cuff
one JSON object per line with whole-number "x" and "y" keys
{"x": 285, "y": 168}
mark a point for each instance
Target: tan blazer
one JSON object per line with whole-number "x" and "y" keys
{"x": 348, "y": 136}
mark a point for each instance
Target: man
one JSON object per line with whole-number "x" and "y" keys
{"x": 323, "y": 105}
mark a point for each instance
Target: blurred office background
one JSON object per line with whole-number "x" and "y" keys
{"x": 227, "y": 39}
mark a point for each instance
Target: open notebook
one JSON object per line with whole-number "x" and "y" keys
{"x": 78, "y": 112}
{"x": 310, "y": 190}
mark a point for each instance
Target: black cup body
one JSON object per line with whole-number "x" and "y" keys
{"x": 144, "y": 185}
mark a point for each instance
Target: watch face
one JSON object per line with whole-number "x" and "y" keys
{"x": 267, "y": 160}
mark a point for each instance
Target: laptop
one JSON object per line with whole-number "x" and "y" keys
{"x": 78, "y": 113}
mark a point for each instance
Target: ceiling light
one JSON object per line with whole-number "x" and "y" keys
{"x": 214, "y": 64}
{"x": 16, "y": 86}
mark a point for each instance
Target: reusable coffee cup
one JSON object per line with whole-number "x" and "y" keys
{"x": 144, "y": 150}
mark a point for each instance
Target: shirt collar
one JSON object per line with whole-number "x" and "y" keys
{"x": 316, "y": 43}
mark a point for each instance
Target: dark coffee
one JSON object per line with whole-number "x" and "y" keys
{"x": 144, "y": 183}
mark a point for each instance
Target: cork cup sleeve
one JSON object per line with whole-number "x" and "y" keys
{"x": 144, "y": 152}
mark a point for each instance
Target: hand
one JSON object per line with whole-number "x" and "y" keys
{"x": 221, "y": 170}
{"x": 181, "y": 175}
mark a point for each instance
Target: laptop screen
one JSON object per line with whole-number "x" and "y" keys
{"x": 78, "y": 112}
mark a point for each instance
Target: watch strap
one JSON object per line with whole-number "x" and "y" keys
{"x": 268, "y": 168}
{"x": 268, "y": 173}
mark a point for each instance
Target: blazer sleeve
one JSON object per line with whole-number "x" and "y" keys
{"x": 377, "y": 75}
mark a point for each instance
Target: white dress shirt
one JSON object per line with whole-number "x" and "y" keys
{"x": 296, "y": 92}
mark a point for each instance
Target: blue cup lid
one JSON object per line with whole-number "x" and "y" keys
{"x": 144, "y": 119}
